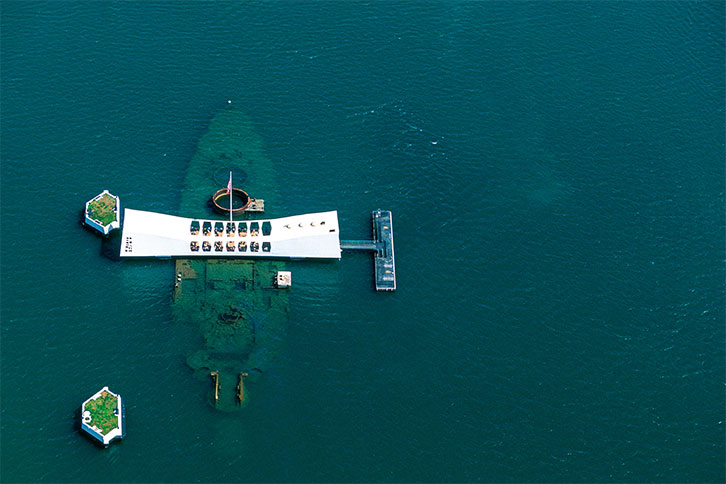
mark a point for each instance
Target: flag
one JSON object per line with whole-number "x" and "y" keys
{"x": 229, "y": 184}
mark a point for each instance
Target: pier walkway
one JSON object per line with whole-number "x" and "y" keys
{"x": 358, "y": 244}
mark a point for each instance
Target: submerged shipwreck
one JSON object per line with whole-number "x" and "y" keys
{"x": 231, "y": 276}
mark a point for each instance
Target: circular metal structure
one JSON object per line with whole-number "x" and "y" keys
{"x": 240, "y": 200}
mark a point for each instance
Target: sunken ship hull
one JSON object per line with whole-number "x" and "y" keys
{"x": 238, "y": 314}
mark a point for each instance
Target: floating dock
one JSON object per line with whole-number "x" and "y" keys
{"x": 382, "y": 245}
{"x": 385, "y": 262}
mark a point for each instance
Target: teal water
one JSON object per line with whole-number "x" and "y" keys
{"x": 556, "y": 176}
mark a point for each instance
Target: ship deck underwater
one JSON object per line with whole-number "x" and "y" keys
{"x": 240, "y": 315}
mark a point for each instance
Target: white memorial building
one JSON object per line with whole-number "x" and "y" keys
{"x": 151, "y": 234}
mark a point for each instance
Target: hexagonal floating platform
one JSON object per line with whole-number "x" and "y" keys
{"x": 102, "y": 417}
{"x": 103, "y": 213}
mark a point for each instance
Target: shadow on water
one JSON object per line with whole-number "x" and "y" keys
{"x": 111, "y": 246}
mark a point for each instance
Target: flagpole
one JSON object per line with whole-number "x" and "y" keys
{"x": 230, "y": 195}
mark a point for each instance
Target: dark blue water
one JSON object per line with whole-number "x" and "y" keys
{"x": 556, "y": 176}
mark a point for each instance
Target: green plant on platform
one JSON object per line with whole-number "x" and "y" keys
{"x": 102, "y": 412}
{"x": 102, "y": 209}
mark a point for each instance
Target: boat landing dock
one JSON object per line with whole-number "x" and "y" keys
{"x": 382, "y": 245}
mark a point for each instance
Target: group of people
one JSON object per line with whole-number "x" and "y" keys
{"x": 230, "y": 228}
{"x": 219, "y": 229}
{"x": 219, "y": 247}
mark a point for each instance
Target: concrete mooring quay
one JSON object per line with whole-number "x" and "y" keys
{"x": 382, "y": 244}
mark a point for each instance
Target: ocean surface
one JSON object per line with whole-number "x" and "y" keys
{"x": 556, "y": 176}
